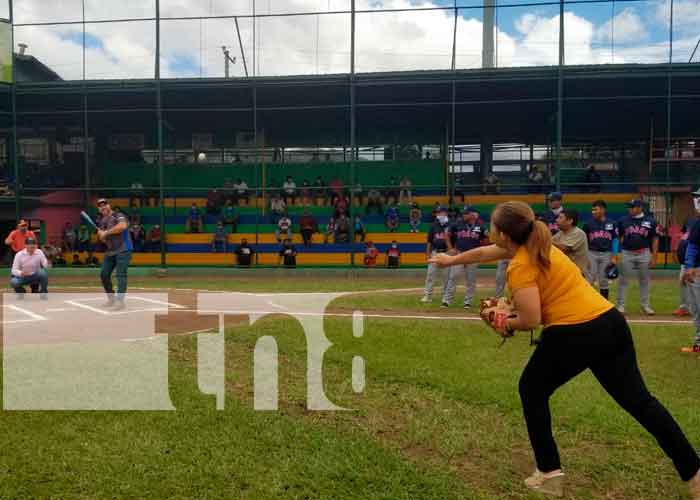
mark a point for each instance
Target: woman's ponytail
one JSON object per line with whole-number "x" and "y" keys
{"x": 539, "y": 244}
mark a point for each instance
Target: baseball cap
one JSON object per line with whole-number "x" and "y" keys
{"x": 469, "y": 209}
{"x": 441, "y": 208}
{"x": 555, "y": 195}
{"x": 30, "y": 241}
{"x": 22, "y": 223}
{"x": 102, "y": 201}
{"x": 696, "y": 193}
{"x": 634, "y": 203}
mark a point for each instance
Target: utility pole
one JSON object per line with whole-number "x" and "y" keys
{"x": 227, "y": 60}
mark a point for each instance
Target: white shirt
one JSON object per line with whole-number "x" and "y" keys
{"x": 28, "y": 265}
{"x": 241, "y": 188}
{"x": 289, "y": 186}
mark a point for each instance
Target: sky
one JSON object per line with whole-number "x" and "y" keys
{"x": 599, "y": 33}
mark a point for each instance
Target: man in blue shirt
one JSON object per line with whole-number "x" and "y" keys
{"x": 692, "y": 272}
{"x": 602, "y": 245}
{"x": 640, "y": 244}
{"x": 549, "y": 217}
{"x": 466, "y": 234}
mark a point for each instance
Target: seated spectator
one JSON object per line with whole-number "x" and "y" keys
{"x": 76, "y": 260}
{"x": 371, "y": 254}
{"x": 340, "y": 205}
{"x": 138, "y": 236}
{"x": 342, "y": 229}
{"x": 374, "y": 201}
{"x": 305, "y": 192}
{"x": 405, "y": 192}
{"x": 319, "y": 191}
{"x": 330, "y": 230}
{"x": 357, "y": 194}
{"x": 336, "y": 188}
{"x": 359, "y": 229}
{"x": 137, "y": 193}
{"x": 59, "y": 260}
{"x": 220, "y": 238}
{"x": 392, "y": 218}
{"x": 242, "y": 192}
{"x": 288, "y": 254}
{"x": 153, "y": 239}
{"x": 229, "y": 216}
{"x": 393, "y": 255}
{"x": 194, "y": 222}
{"x": 92, "y": 261}
{"x": 307, "y": 227}
{"x": 392, "y": 190}
{"x": 277, "y": 208}
{"x": 244, "y": 254}
{"x": 84, "y": 243}
{"x": 492, "y": 184}
{"x": 592, "y": 180}
{"x": 70, "y": 238}
{"x": 415, "y": 216}
{"x": 214, "y": 200}
{"x": 284, "y": 227}
{"x": 289, "y": 189}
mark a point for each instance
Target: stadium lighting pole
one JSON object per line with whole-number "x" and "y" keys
{"x": 451, "y": 156}
{"x": 560, "y": 97}
{"x": 159, "y": 111}
{"x": 86, "y": 149}
{"x": 15, "y": 156}
{"x": 668, "y": 97}
{"x": 353, "y": 125}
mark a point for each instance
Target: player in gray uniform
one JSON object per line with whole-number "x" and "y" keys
{"x": 114, "y": 233}
{"x": 438, "y": 242}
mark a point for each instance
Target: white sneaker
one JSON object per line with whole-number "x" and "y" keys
{"x": 551, "y": 483}
{"x": 648, "y": 311}
{"x": 426, "y": 299}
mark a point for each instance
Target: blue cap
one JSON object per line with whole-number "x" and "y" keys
{"x": 441, "y": 208}
{"x": 634, "y": 203}
{"x": 468, "y": 209}
{"x": 555, "y": 195}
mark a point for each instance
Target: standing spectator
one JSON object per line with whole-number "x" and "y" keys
{"x": 342, "y": 229}
{"x": 492, "y": 184}
{"x": 229, "y": 216}
{"x": 76, "y": 262}
{"x": 371, "y": 254}
{"x": 29, "y": 267}
{"x": 229, "y": 191}
{"x": 330, "y": 230}
{"x": 214, "y": 200}
{"x": 70, "y": 238}
{"x": 319, "y": 191}
{"x": 466, "y": 234}
{"x": 391, "y": 219}
{"x": 138, "y": 235}
{"x": 405, "y": 193}
{"x": 306, "y": 195}
{"x": 284, "y": 227}
{"x": 307, "y": 227}
{"x": 244, "y": 253}
{"x": 393, "y": 255}
{"x": 277, "y": 208}
{"x": 602, "y": 245}
{"x": 137, "y": 193}
{"x": 359, "y": 229}
{"x": 415, "y": 216}
{"x": 153, "y": 239}
{"x": 640, "y": 244}
{"x": 691, "y": 264}
{"x": 374, "y": 201}
{"x": 592, "y": 179}
{"x": 289, "y": 188}
{"x": 357, "y": 195}
{"x": 551, "y": 215}
{"x": 84, "y": 239}
{"x": 194, "y": 222}
{"x": 340, "y": 205}
{"x": 572, "y": 240}
{"x": 336, "y": 188}
{"x": 392, "y": 191}
{"x": 220, "y": 238}
{"x": 242, "y": 191}
{"x": 288, "y": 254}
{"x": 459, "y": 186}
{"x": 17, "y": 238}
{"x": 438, "y": 242}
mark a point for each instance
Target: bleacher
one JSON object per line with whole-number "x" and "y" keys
{"x": 194, "y": 249}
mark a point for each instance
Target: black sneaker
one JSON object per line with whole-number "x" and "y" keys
{"x": 467, "y": 306}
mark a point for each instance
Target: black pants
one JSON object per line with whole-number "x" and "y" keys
{"x": 605, "y": 346}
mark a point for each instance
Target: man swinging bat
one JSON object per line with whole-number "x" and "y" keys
{"x": 113, "y": 231}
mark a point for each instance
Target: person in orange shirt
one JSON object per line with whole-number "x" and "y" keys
{"x": 371, "y": 254}
{"x": 17, "y": 238}
{"x": 582, "y": 330}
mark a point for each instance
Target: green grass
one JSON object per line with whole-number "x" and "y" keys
{"x": 440, "y": 417}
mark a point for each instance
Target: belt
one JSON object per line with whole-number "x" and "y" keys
{"x": 638, "y": 251}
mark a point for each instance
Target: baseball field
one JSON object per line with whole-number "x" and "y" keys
{"x": 439, "y": 416}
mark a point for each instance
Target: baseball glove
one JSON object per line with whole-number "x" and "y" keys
{"x": 495, "y": 311}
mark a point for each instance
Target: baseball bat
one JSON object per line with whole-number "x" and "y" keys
{"x": 86, "y": 218}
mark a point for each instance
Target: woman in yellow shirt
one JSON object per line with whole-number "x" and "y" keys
{"x": 582, "y": 330}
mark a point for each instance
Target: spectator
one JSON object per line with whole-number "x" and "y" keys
{"x": 336, "y": 188}
{"x": 229, "y": 191}
{"x": 220, "y": 238}
{"x": 392, "y": 190}
{"x": 137, "y": 192}
{"x": 319, "y": 191}
{"x": 436, "y": 210}
{"x": 405, "y": 193}
{"x": 572, "y": 240}
{"x": 492, "y": 184}
{"x": 153, "y": 239}
{"x": 289, "y": 188}
{"x": 288, "y": 254}
{"x": 17, "y": 238}
{"x": 359, "y": 229}
{"x": 273, "y": 189}
{"x": 29, "y": 267}
{"x": 392, "y": 218}
{"x": 229, "y": 216}
{"x": 241, "y": 191}
{"x": 415, "y": 216}
{"x": 214, "y": 200}
{"x": 284, "y": 226}
{"x": 340, "y": 205}
{"x": 76, "y": 260}
{"x": 459, "y": 186}
{"x": 194, "y": 220}
{"x": 330, "y": 230}
{"x": 536, "y": 179}
{"x": 374, "y": 201}
{"x": 277, "y": 208}
{"x": 244, "y": 253}
{"x": 307, "y": 227}
{"x": 371, "y": 254}
{"x": 393, "y": 255}
{"x": 306, "y": 195}
{"x": 342, "y": 229}
{"x": 592, "y": 179}
{"x": 70, "y": 238}
{"x": 138, "y": 236}
{"x": 357, "y": 196}
{"x": 84, "y": 239}
{"x": 59, "y": 260}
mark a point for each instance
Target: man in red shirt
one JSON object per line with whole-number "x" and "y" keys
{"x": 371, "y": 254}
{"x": 17, "y": 238}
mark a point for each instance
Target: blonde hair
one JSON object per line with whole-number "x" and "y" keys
{"x": 517, "y": 220}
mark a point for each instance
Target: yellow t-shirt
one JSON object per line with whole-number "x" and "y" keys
{"x": 566, "y": 297}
